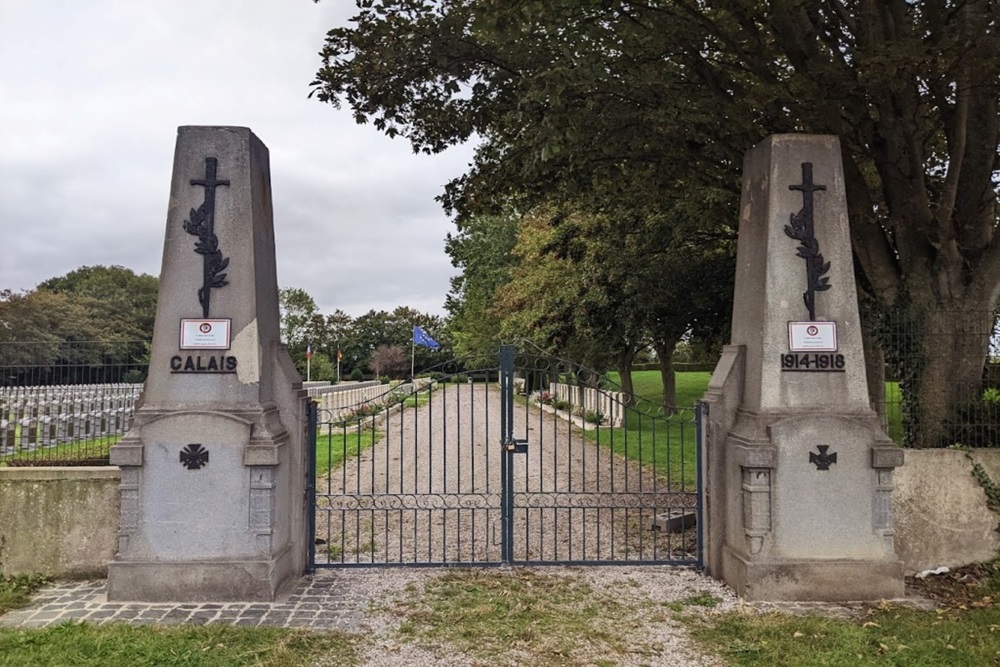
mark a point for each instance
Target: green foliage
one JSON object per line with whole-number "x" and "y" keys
{"x": 121, "y": 645}
{"x": 482, "y": 251}
{"x": 990, "y": 488}
{"x": 641, "y": 112}
{"x": 974, "y": 424}
{"x": 592, "y": 416}
{"x": 123, "y": 301}
{"x": 297, "y": 310}
{"x": 357, "y": 375}
{"x": 560, "y": 404}
{"x": 16, "y": 591}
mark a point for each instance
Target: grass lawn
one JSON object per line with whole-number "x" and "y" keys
{"x": 963, "y": 632}
{"x": 665, "y": 443}
{"x": 78, "y": 450}
{"x": 334, "y": 445}
{"x": 650, "y": 437}
{"x": 119, "y": 645}
{"x": 891, "y": 636}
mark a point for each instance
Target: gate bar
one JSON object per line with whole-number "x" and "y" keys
{"x": 507, "y": 449}
{"x": 312, "y": 419}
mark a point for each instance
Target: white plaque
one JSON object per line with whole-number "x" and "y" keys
{"x": 812, "y": 336}
{"x": 205, "y": 334}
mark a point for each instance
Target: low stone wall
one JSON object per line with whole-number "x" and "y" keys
{"x": 941, "y": 513}
{"x": 64, "y": 521}
{"x": 61, "y": 522}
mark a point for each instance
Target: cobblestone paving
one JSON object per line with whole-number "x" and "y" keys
{"x": 325, "y": 601}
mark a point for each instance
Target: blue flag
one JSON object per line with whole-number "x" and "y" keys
{"x": 420, "y": 337}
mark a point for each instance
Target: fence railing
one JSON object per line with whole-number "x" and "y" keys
{"x": 66, "y": 403}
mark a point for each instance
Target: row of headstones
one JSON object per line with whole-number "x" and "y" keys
{"x": 610, "y": 404}
{"x": 33, "y": 418}
{"x": 30, "y": 434}
{"x": 336, "y": 403}
{"x": 18, "y": 403}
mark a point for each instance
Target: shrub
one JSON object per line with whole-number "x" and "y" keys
{"x": 560, "y": 404}
{"x": 134, "y": 376}
{"x": 975, "y": 423}
{"x": 357, "y": 375}
{"x": 545, "y": 398}
{"x": 384, "y": 379}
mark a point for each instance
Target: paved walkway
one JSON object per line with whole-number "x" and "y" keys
{"x": 322, "y": 602}
{"x": 329, "y": 600}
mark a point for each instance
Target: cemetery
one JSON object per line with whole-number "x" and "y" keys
{"x": 260, "y": 423}
{"x": 681, "y": 347}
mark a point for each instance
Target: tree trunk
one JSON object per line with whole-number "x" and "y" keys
{"x": 940, "y": 360}
{"x": 874, "y": 372}
{"x": 624, "y": 362}
{"x": 665, "y": 358}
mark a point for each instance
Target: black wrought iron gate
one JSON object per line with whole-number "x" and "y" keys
{"x": 528, "y": 460}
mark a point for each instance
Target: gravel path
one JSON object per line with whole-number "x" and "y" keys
{"x": 429, "y": 491}
{"x": 656, "y": 639}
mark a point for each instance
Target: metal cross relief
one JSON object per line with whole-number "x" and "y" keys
{"x": 801, "y": 228}
{"x": 823, "y": 460}
{"x": 194, "y": 456}
{"x": 202, "y": 225}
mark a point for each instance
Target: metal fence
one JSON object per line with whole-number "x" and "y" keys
{"x": 942, "y": 379}
{"x": 67, "y": 403}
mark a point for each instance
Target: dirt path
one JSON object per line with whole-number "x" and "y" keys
{"x": 430, "y": 491}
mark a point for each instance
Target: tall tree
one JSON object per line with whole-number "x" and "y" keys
{"x": 123, "y": 299}
{"x": 483, "y": 251}
{"x": 297, "y": 310}
{"x": 642, "y": 97}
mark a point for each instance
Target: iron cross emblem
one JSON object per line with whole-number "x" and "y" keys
{"x": 823, "y": 460}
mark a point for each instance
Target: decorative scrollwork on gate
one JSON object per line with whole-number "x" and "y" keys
{"x": 413, "y": 501}
{"x": 591, "y": 500}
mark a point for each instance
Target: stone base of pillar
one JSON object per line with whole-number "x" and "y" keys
{"x": 202, "y": 581}
{"x": 813, "y": 580}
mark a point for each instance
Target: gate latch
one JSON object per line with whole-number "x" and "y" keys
{"x": 517, "y": 446}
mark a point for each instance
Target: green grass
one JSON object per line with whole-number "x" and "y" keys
{"x": 94, "y": 448}
{"x": 118, "y": 645}
{"x": 650, "y": 436}
{"x": 520, "y": 617}
{"x": 334, "y": 446}
{"x": 666, "y": 443}
{"x": 899, "y": 637}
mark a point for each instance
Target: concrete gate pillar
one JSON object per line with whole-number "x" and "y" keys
{"x": 213, "y": 468}
{"x": 798, "y": 471}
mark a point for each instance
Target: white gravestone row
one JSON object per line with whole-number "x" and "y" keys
{"x": 610, "y": 404}
{"x": 335, "y": 401}
{"x": 39, "y": 417}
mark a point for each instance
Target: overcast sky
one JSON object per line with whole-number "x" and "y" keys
{"x": 92, "y": 93}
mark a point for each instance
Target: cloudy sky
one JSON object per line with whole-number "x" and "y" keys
{"x": 91, "y": 95}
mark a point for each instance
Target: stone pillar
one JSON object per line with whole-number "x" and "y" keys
{"x": 213, "y": 468}
{"x": 798, "y": 472}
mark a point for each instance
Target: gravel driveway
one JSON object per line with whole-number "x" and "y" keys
{"x": 430, "y": 491}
